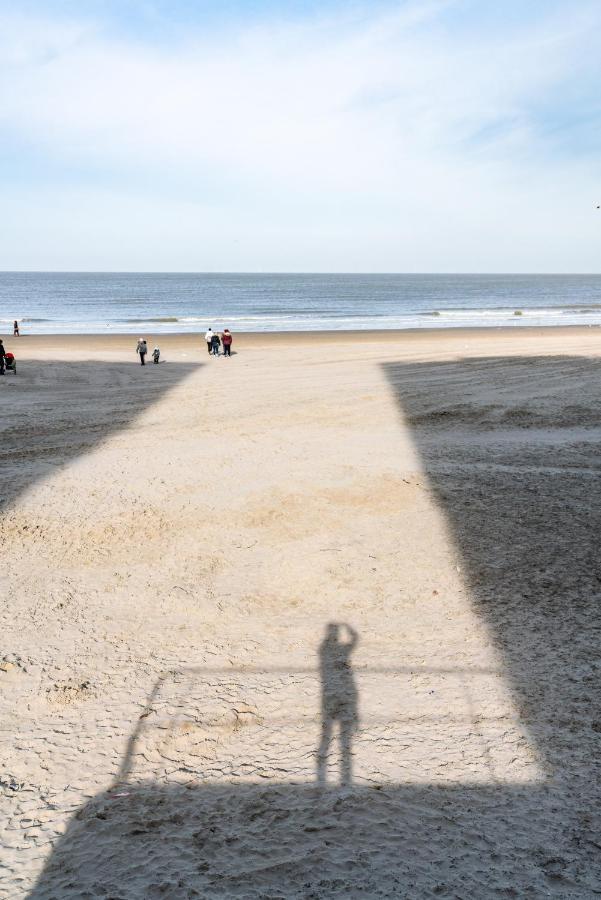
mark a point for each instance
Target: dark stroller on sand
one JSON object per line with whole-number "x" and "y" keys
{"x": 10, "y": 363}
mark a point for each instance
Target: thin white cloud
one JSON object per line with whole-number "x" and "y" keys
{"x": 396, "y": 144}
{"x": 28, "y": 42}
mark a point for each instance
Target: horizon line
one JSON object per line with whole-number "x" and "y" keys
{"x": 283, "y": 272}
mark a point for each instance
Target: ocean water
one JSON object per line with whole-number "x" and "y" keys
{"x": 149, "y": 302}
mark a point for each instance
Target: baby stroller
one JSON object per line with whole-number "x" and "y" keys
{"x": 10, "y": 363}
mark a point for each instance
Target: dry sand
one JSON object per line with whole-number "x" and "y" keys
{"x": 175, "y": 541}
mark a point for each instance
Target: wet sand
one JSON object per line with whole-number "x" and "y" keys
{"x": 445, "y": 336}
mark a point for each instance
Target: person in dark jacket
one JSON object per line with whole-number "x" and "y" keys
{"x": 226, "y": 340}
{"x": 2, "y": 358}
{"x": 215, "y": 342}
{"x": 142, "y": 350}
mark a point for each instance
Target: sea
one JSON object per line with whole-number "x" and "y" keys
{"x": 101, "y": 303}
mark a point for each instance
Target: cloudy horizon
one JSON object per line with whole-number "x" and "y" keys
{"x": 440, "y": 136}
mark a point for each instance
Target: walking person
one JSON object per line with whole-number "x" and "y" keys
{"x": 215, "y": 342}
{"x": 226, "y": 340}
{"x": 2, "y": 357}
{"x": 142, "y": 350}
{"x": 15, "y": 329}
{"x": 209, "y": 340}
{"x": 156, "y": 355}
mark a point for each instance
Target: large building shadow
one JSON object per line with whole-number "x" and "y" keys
{"x": 520, "y": 492}
{"x": 278, "y": 840}
{"x": 511, "y": 449}
{"x": 55, "y": 412}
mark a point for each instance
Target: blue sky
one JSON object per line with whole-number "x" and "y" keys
{"x": 439, "y": 135}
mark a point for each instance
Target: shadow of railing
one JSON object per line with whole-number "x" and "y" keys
{"x": 147, "y": 836}
{"x": 186, "y": 834}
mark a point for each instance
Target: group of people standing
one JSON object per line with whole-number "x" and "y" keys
{"x": 214, "y": 341}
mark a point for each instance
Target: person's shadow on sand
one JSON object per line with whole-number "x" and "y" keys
{"x": 338, "y": 699}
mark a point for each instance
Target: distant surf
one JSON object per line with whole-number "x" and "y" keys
{"x": 166, "y": 303}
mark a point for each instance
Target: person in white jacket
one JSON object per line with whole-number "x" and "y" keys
{"x": 209, "y": 338}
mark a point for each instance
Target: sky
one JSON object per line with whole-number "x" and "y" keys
{"x": 172, "y": 135}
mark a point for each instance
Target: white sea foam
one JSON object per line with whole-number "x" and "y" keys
{"x": 155, "y": 304}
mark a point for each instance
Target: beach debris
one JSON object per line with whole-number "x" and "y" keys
{"x": 12, "y": 661}
{"x": 554, "y": 867}
{"x": 64, "y": 693}
{"x": 10, "y": 783}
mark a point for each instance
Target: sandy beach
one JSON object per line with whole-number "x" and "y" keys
{"x": 319, "y": 620}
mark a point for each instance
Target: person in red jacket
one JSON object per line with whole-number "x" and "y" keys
{"x": 226, "y": 341}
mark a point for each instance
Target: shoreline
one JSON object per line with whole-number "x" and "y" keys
{"x": 116, "y": 340}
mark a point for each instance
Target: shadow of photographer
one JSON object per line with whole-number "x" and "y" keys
{"x": 338, "y": 699}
